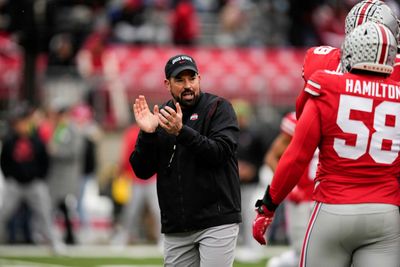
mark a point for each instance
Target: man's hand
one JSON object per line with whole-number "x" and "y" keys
{"x": 261, "y": 223}
{"x": 171, "y": 120}
{"x": 146, "y": 120}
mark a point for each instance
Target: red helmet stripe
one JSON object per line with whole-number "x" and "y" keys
{"x": 363, "y": 11}
{"x": 384, "y": 45}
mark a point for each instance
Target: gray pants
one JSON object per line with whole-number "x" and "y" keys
{"x": 248, "y": 193}
{"x": 37, "y": 197}
{"x": 297, "y": 217}
{"x": 365, "y": 235}
{"x": 142, "y": 195}
{"x": 211, "y": 247}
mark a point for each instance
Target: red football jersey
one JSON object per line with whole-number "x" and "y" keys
{"x": 355, "y": 122}
{"x": 326, "y": 58}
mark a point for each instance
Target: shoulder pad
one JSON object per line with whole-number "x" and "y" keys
{"x": 319, "y": 58}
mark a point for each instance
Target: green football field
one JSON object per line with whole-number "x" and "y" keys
{"x": 100, "y": 256}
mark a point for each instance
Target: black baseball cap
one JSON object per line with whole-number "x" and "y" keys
{"x": 179, "y": 63}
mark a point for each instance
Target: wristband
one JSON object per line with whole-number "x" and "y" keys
{"x": 267, "y": 201}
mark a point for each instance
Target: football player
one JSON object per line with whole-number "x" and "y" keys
{"x": 327, "y": 57}
{"x": 354, "y": 120}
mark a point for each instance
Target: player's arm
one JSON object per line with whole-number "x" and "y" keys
{"x": 299, "y": 153}
{"x": 291, "y": 166}
{"x": 279, "y": 146}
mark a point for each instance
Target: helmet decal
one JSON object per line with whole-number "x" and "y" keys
{"x": 383, "y": 48}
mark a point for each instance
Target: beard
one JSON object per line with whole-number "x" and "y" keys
{"x": 187, "y": 98}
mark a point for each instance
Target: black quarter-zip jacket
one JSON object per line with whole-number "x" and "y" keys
{"x": 197, "y": 171}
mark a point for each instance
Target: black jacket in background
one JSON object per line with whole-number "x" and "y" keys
{"x": 200, "y": 188}
{"x": 27, "y": 168}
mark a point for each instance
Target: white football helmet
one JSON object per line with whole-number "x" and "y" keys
{"x": 372, "y": 10}
{"x": 370, "y": 46}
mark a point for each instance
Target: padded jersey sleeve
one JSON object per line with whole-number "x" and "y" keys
{"x": 320, "y": 58}
{"x": 316, "y": 58}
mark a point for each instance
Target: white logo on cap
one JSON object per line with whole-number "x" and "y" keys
{"x": 181, "y": 58}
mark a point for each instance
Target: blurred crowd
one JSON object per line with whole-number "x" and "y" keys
{"x": 178, "y": 22}
{"x": 62, "y": 41}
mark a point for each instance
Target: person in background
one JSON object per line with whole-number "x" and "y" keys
{"x": 66, "y": 154}
{"x": 355, "y": 220}
{"x": 82, "y": 116}
{"x": 234, "y": 25}
{"x": 128, "y": 21}
{"x": 190, "y": 142}
{"x": 184, "y": 23}
{"x": 143, "y": 196}
{"x": 25, "y": 162}
{"x": 250, "y": 154}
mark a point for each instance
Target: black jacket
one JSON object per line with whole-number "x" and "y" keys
{"x": 198, "y": 181}
{"x": 24, "y": 159}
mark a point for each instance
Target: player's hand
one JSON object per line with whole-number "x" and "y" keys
{"x": 261, "y": 223}
{"x": 265, "y": 209}
{"x": 146, "y": 120}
